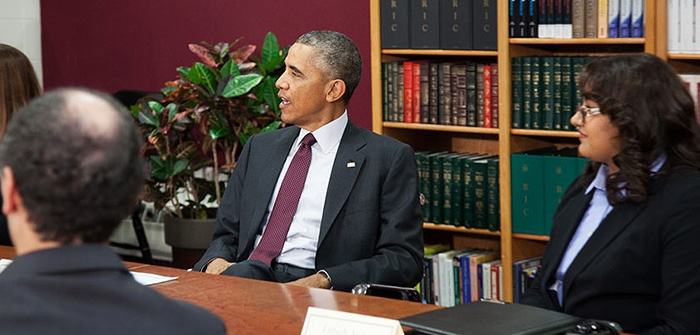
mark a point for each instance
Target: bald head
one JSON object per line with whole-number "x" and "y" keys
{"x": 74, "y": 156}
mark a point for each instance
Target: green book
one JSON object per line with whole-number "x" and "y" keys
{"x": 456, "y": 190}
{"x": 576, "y": 67}
{"x": 560, "y": 171}
{"x": 568, "y": 90}
{"x": 516, "y": 82}
{"x": 553, "y": 120}
{"x": 436, "y": 187}
{"x": 527, "y": 91}
{"x": 480, "y": 197}
{"x": 468, "y": 188}
{"x": 448, "y": 204}
{"x": 423, "y": 164}
{"x": 535, "y": 86}
{"x": 493, "y": 205}
{"x": 547, "y": 87}
{"x": 527, "y": 187}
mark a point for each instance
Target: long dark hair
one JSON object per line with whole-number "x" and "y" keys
{"x": 654, "y": 113}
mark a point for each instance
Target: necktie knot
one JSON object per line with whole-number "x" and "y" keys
{"x": 308, "y": 140}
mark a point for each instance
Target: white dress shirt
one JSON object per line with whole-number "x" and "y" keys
{"x": 302, "y": 239}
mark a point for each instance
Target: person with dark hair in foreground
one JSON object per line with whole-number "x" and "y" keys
{"x": 356, "y": 218}
{"x": 625, "y": 240}
{"x": 18, "y": 84}
{"x": 70, "y": 171}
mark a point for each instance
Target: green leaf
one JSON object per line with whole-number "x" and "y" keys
{"x": 172, "y": 107}
{"x": 183, "y": 71}
{"x": 164, "y": 169}
{"x": 200, "y": 74}
{"x": 145, "y": 117}
{"x": 243, "y": 138}
{"x": 219, "y": 127}
{"x": 272, "y": 126}
{"x": 268, "y": 92}
{"x": 272, "y": 56}
{"x": 240, "y": 85}
{"x": 155, "y": 106}
{"x": 230, "y": 68}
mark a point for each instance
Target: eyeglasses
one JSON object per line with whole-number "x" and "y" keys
{"x": 587, "y": 112}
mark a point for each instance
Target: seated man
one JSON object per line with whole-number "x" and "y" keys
{"x": 357, "y": 216}
{"x": 70, "y": 171}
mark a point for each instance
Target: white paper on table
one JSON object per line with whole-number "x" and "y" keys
{"x": 147, "y": 279}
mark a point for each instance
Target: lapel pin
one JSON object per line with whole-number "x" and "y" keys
{"x": 351, "y": 164}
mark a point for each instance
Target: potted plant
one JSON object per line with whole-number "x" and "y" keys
{"x": 194, "y": 134}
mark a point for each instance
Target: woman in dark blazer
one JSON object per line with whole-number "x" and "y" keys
{"x": 625, "y": 241}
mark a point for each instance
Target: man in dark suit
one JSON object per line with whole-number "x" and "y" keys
{"x": 358, "y": 217}
{"x": 67, "y": 181}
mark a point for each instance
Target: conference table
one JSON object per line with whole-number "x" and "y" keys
{"x": 257, "y": 307}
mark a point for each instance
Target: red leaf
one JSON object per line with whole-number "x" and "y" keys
{"x": 203, "y": 54}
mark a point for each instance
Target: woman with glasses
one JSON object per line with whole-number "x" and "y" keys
{"x": 625, "y": 241}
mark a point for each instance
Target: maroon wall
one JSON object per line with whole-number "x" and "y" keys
{"x": 137, "y": 44}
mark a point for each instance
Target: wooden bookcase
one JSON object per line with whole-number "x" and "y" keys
{"x": 504, "y": 140}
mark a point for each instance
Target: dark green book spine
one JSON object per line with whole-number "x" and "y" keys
{"x": 456, "y": 191}
{"x": 480, "y": 215}
{"x": 493, "y": 205}
{"x": 576, "y": 67}
{"x": 560, "y": 172}
{"x": 424, "y": 182}
{"x": 447, "y": 204}
{"x": 516, "y": 78}
{"x": 536, "y": 86}
{"x": 467, "y": 192}
{"x": 527, "y": 91}
{"x": 436, "y": 185}
{"x": 546, "y": 76}
{"x": 555, "y": 121}
{"x": 387, "y": 91}
{"x": 567, "y": 91}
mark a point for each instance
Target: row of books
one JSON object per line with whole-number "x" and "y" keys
{"x": 539, "y": 178}
{"x": 576, "y": 18}
{"x": 544, "y": 91}
{"x": 446, "y": 93}
{"x": 460, "y": 189}
{"x": 683, "y": 26}
{"x": 692, "y": 83}
{"x": 439, "y": 24}
{"x": 455, "y": 277}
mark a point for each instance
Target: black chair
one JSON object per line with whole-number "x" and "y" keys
{"x": 388, "y": 291}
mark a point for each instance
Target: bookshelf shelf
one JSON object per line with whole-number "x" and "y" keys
{"x": 547, "y": 133}
{"x": 564, "y": 41}
{"x": 461, "y": 230}
{"x": 439, "y": 52}
{"x": 441, "y": 128}
{"x": 541, "y": 238}
{"x": 684, "y": 56}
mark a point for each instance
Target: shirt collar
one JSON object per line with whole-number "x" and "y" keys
{"x": 328, "y": 136}
{"x": 603, "y": 171}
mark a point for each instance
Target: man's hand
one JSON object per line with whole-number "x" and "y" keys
{"x": 318, "y": 280}
{"x": 217, "y": 266}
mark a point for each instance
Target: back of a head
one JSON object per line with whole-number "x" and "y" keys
{"x": 339, "y": 57}
{"x": 74, "y": 155}
{"x": 18, "y": 83}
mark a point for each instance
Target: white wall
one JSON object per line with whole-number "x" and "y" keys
{"x": 20, "y": 27}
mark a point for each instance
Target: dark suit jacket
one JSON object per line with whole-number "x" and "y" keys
{"x": 371, "y": 230}
{"x": 87, "y": 290}
{"x": 641, "y": 267}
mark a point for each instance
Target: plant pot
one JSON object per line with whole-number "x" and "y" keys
{"x": 188, "y": 233}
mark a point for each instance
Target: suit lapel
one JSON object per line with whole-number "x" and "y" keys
{"x": 347, "y": 166}
{"x": 568, "y": 221}
{"x": 614, "y": 223}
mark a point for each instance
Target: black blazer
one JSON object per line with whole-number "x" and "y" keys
{"x": 641, "y": 267}
{"x": 86, "y": 289}
{"x": 372, "y": 226}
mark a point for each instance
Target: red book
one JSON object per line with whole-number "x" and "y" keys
{"x": 416, "y": 92}
{"x": 407, "y": 92}
{"x": 487, "y": 96}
